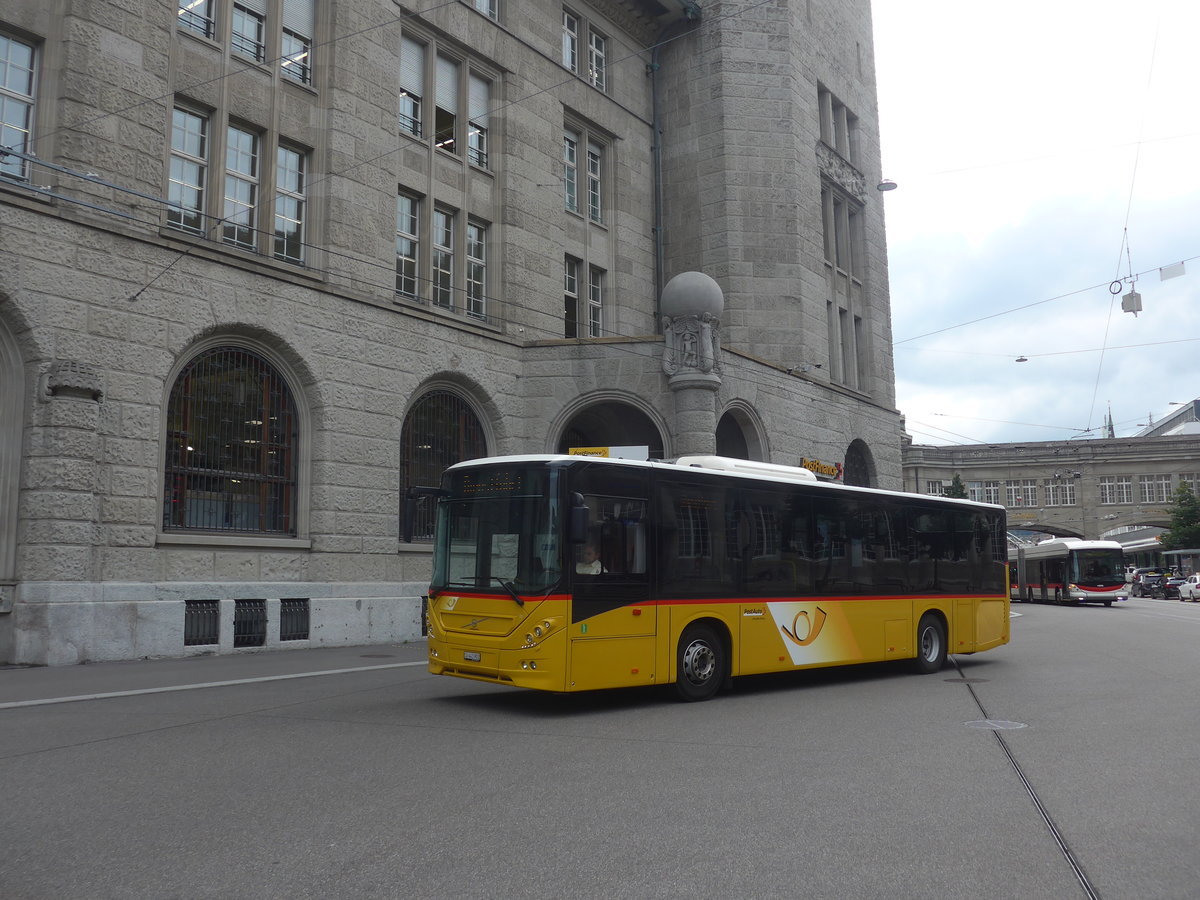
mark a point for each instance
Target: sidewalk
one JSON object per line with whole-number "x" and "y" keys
{"x": 21, "y": 684}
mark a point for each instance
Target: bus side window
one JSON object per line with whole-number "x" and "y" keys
{"x": 616, "y": 538}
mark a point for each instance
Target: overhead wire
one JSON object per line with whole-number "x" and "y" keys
{"x": 205, "y": 240}
{"x": 410, "y": 141}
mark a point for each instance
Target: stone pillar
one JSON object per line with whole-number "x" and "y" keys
{"x": 692, "y": 304}
{"x": 59, "y": 505}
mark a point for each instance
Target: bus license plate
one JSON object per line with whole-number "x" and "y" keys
{"x": 471, "y": 656}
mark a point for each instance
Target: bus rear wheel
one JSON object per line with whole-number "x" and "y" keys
{"x": 931, "y": 645}
{"x": 701, "y": 664}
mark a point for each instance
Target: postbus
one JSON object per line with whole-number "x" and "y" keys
{"x": 1068, "y": 570}
{"x": 572, "y": 573}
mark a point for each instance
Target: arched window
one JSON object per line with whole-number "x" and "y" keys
{"x": 232, "y": 444}
{"x": 440, "y": 430}
{"x": 859, "y": 468}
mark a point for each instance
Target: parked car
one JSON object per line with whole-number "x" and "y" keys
{"x": 1169, "y": 587}
{"x": 1190, "y": 588}
{"x": 1138, "y": 587}
{"x": 1149, "y": 586}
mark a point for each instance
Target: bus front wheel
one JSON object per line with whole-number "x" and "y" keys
{"x": 701, "y": 664}
{"x": 931, "y": 645}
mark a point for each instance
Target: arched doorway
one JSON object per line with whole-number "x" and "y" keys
{"x": 739, "y": 435}
{"x": 612, "y": 423}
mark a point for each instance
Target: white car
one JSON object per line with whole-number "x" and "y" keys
{"x": 1190, "y": 589}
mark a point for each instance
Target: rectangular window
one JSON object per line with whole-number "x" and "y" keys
{"x": 570, "y": 40}
{"x": 196, "y": 15}
{"x": 991, "y": 492}
{"x": 443, "y": 258}
{"x": 249, "y": 25}
{"x": 476, "y": 271}
{"x": 488, "y": 8}
{"x": 412, "y": 85}
{"x": 1155, "y": 488}
{"x": 407, "y": 244}
{"x": 16, "y": 104}
{"x": 1192, "y": 480}
{"x": 597, "y": 59}
{"x": 594, "y": 167}
{"x": 241, "y": 188}
{"x": 189, "y": 164}
{"x": 571, "y": 171}
{"x": 975, "y": 491}
{"x": 935, "y": 488}
{"x": 290, "y": 201}
{"x": 839, "y": 126}
{"x": 1058, "y": 492}
{"x": 478, "y": 101}
{"x": 296, "y": 48}
{"x": 595, "y": 300}
{"x": 446, "y": 103}
{"x": 1020, "y": 493}
{"x": 840, "y": 225}
{"x": 570, "y": 297}
{"x": 1116, "y": 489}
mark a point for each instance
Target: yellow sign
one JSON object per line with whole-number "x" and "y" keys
{"x": 612, "y": 452}
{"x": 829, "y": 470}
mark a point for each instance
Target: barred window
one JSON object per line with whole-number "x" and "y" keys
{"x": 232, "y": 447}
{"x": 249, "y": 30}
{"x": 197, "y": 16}
{"x": 440, "y": 430}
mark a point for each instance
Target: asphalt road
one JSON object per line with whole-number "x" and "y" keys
{"x": 1063, "y": 765}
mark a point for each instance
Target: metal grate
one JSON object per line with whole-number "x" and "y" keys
{"x": 201, "y": 622}
{"x": 249, "y": 623}
{"x": 440, "y": 430}
{"x": 231, "y": 447}
{"x": 293, "y": 619}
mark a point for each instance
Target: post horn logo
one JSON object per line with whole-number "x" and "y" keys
{"x": 811, "y": 629}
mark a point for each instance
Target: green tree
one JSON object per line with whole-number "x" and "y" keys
{"x": 1185, "y": 521}
{"x": 956, "y": 488}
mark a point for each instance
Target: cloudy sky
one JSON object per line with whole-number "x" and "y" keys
{"x": 1043, "y": 150}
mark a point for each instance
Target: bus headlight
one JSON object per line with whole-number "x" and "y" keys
{"x": 540, "y": 632}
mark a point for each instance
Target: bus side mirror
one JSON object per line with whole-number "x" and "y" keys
{"x": 578, "y": 523}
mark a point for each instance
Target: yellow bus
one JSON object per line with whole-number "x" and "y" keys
{"x": 570, "y": 573}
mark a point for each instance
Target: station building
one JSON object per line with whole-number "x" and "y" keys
{"x": 1113, "y": 488}
{"x": 266, "y": 264}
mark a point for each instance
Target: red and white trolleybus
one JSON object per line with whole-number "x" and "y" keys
{"x": 1068, "y": 570}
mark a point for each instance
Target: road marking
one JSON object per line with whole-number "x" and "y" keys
{"x": 208, "y": 684}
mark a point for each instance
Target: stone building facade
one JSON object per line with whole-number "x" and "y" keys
{"x": 266, "y": 264}
{"x": 1081, "y": 488}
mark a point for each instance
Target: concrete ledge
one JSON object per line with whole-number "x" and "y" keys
{"x": 66, "y": 623}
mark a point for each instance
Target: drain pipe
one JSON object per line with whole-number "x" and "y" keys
{"x": 691, "y": 15}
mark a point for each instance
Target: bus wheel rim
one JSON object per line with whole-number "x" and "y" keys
{"x": 929, "y": 643}
{"x": 699, "y": 662}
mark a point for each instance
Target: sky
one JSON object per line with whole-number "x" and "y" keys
{"x": 1042, "y": 151}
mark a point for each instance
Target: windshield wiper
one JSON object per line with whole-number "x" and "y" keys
{"x": 511, "y": 588}
{"x": 507, "y": 585}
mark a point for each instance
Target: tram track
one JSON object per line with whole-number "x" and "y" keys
{"x": 1060, "y": 839}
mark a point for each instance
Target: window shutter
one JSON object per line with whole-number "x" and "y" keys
{"x": 298, "y": 17}
{"x": 447, "y": 84}
{"x": 479, "y": 100}
{"x": 412, "y": 66}
{"x": 254, "y": 6}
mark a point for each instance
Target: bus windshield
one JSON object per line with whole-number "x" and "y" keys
{"x": 1097, "y": 566}
{"x": 498, "y": 531}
